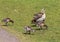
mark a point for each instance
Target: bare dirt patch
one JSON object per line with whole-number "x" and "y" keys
{"x": 6, "y": 37}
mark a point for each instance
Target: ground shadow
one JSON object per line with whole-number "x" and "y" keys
{"x": 7, "y": 25}
{"x": 28, "y": 34}
{"x": 33, "y": 25}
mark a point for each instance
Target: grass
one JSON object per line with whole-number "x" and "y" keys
{"x": 22, "y": 11}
